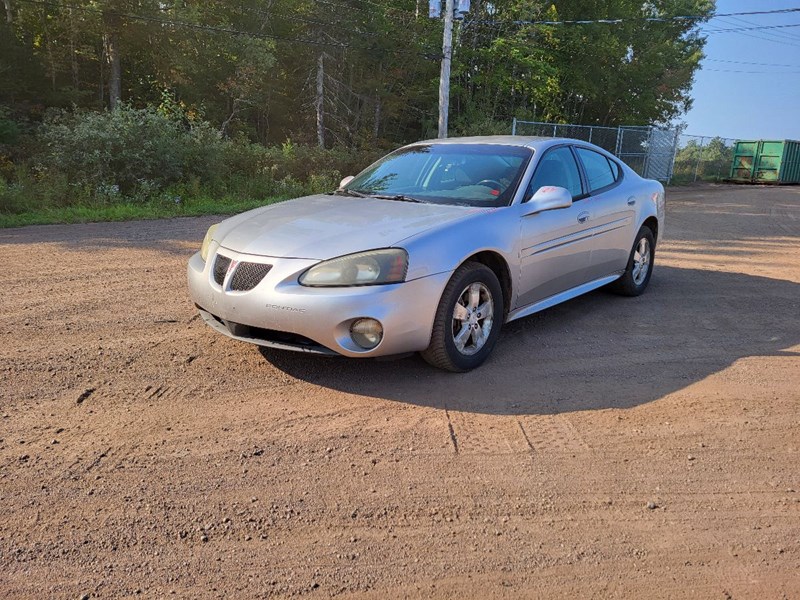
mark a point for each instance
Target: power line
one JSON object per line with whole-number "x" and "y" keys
{"x": 501, "y": 24}
{"x": 649, "y": 19}
{"x": 407, "y": 15}
{"x": 759, "y": 37}
{"x": 757, "y": 27}
{"x": 777, "y": 34}
{"x": 755, "y": 64}
{"x": 262, "y": 13}
{"x": 339, "y": 5}
{"x": 752, "y": 72}
{"x": 362, "y": 9}
{"x": 759, "y": 12}
{"x": 384, "y": 7}
{"x": 215, "y": 29}
{"x": 358, "y": 8}
{"x": 485, "y": 22}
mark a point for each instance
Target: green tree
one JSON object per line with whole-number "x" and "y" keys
{"x": 351, "y": 72}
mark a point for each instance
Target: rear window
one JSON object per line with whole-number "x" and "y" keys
{"x": 598, "y": 169}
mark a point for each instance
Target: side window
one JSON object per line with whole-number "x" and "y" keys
{"x": 557, "y": 168}
{"x": 598, "y": 169}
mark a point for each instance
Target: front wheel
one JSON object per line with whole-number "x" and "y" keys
{"x": 468, "y": 320}
{"x": 640, "y": 265}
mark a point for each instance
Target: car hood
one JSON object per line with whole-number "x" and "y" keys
{"x": 326, "y": 226}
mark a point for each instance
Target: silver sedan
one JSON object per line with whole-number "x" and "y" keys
{"x": 431, "y": 249}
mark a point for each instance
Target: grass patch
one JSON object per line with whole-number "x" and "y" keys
{"x": 131, "y": 211}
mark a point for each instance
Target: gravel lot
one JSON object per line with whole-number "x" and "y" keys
{"x": 611, "y": 447}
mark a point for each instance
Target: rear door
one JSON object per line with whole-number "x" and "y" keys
{"x": 555, "y": 245}
{"x": 613, "y": 212}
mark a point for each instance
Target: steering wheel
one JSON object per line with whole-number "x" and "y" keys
{"x": 491, "y": 183}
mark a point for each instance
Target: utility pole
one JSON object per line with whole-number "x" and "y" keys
{"x": 444, "y": 77}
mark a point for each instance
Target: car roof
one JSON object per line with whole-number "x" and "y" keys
{"x": 502, "y": 140}
{"x": 537, "y": 144}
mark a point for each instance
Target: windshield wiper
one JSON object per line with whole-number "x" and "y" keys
{"x": 352, "y": 193}
{"x": 398, "y": 198}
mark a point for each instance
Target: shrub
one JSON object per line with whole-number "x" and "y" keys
{"x": 157, "y": 156}
{"x": 122, "y": 148}
{"x": 9, "y": 129}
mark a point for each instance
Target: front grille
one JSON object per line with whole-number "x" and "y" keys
{"x": 221, "y": 268}
{"x": 268, "y": 337}
{"x": 248, "y": 275}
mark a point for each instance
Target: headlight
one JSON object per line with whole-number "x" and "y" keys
{"x": 365, "y": 268}
{"x": 207, "y": 242}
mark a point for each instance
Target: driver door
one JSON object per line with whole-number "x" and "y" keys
{"x": 555, "y": 245}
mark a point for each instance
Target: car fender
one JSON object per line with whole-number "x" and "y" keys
{"x": 651, "y": 206}
{"x": 444, "y": 248}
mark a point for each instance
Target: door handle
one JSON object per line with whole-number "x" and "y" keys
{"x": 583, "y": 217}
{"x": 631, "y": 201}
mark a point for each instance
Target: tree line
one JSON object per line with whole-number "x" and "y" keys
{"x": 350, "y": 73}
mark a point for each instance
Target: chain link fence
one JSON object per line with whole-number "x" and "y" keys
{"x": 663, "y": 154}
{"x": 649, "y": 151}
{"x": 702, "y": 158}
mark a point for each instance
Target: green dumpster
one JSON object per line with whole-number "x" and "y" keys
{"x": 765, "y": 161}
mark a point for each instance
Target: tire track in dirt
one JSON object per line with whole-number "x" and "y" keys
{"x": 207, "y": 467}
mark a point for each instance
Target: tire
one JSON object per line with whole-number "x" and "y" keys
{"x": 462, "y": 338}
{"x": 634, "y": 282}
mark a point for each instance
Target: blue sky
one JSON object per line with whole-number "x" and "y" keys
{"x": 750, "y": 101}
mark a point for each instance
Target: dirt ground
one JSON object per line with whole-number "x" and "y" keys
{"x": 611, "y": 447}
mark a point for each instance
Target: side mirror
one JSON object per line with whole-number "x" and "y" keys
{"x": 345, "y": 181}
{"x": 548, "y": 197}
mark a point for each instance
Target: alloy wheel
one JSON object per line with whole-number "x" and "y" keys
{"x": 473, "y": 316}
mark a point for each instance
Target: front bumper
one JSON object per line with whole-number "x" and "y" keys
{"x": 281, "y": 313}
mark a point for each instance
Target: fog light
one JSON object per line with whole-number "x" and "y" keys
{"x": 367, "y": 333}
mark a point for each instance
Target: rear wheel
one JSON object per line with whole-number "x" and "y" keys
{"x": 640, "y": 266}
{"x": 468, "y": 320}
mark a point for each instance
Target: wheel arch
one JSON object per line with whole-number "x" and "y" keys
{"x": 652, "y": 224}
{"x": 495, "y": 261}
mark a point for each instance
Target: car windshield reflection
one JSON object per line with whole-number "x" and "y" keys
{"x": 466, "y": 174}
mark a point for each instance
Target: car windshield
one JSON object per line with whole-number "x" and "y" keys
{"x": 467, "y": 174}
